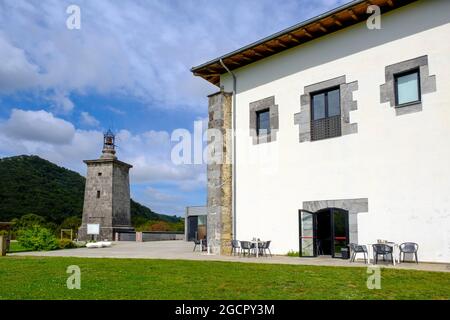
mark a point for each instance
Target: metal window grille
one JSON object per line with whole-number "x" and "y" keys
{"x": 326, "y": 128}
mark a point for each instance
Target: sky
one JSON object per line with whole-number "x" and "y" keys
{"x": 127, "y": 68}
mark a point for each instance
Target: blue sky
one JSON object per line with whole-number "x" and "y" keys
{"x": 127, "y": 68}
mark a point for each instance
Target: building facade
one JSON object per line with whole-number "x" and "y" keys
{"x": 195, "y": 223}
{"x": 341, "y": 133}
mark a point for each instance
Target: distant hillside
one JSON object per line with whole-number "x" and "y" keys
{"x": 30, "y": 184}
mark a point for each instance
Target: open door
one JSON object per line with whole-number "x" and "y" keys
{"x": 307, "y": 231}
{"x": 340, "y": 230}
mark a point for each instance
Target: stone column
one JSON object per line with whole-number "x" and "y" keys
{"x": 219, "y": 173}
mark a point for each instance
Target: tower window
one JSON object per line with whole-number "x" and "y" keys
{"x": 99, "y": 174}
{"x": 98, "y": 194}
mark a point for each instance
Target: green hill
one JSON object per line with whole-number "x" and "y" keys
{"x": 30, "y": 184}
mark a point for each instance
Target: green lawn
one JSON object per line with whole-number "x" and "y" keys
{"x": 16, "y": 247}
{"x": 45, "y": 278}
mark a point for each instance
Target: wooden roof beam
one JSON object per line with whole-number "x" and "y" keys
{"x": 305, "y": 31}
{"x": 337, "y": 21}
{"x": 255, "y": 53}
{"x": 353, "y": 15}
{"x": 245, "y": 57}
{"x": 293, "y": 38}
{"x": 280, "y": 43}
{"x": 321, "y": 27}
{"x": 267, "y": 48}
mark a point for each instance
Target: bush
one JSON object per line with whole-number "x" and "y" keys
{"x": 66, "y": 244}
{"x": 293, "y": 253}
{"x": 37, "y": 238}
{"x": 73, "y": 222}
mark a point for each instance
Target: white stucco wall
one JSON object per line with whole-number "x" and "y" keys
{"x": 400, "y": 163}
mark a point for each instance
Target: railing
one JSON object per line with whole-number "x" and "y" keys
{"x": 326, "y": 128}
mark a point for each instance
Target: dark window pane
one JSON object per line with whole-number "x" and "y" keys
{"x": 325, "y": 122}
{"x": 334, "y": 104}
{"x": 408, "y": 88}
{"x": 263, "y": 120}
{"x": 319, "y": 106}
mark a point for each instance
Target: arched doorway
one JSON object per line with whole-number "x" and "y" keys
{"x": 323, "y": 232}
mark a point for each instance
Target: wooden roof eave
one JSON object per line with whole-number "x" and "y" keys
{"x": 329, "y": 22}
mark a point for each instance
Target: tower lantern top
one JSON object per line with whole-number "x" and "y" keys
{"x": 109, "y": 151}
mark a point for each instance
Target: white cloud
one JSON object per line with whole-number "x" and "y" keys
{"x": 55, "y": 139}
{"x": 143, "y": 49}
{"x": 61, "y": 103}
{"x": 40, "y": 126}
{"x": 16, "y": 72}
{"x": 89, "y": 120}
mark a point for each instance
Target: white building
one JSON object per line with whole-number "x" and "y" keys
{"x": 341, "y": 121}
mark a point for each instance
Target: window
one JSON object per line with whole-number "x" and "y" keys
{"x": 326, "y": 114}
{"x": 99, "y": 174}
{"x": 98, "y": 194}
{"x": 407, "y": 88}
{"x": 263, "y": 122}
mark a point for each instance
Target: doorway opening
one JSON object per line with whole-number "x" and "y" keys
{"x": 323, "y": 233}
{"x": 196, "y": 228}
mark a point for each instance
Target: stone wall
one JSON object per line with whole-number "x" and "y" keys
{"x": 121, "y": 200}
{"x": 219, "y": 173}
{"x": 108, "y": 178}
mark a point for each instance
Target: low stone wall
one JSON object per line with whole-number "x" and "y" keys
{"x": 149, "y": 236}
{"x": 162, "y": 236}
{"x": 126, "y": 236}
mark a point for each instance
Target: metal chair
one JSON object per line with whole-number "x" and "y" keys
{"x": 409, "y": 247}
{"x": 355, "y": 249}
{"x": 263, "y": 247}
{"x": 319, "y": 247}
{"x": 203, "y": 244}
{"x": 197, "y": 243}
{"x": 235, "y": 247}
{"x": 382, "y": 250}
{"x": 247, "y": 247}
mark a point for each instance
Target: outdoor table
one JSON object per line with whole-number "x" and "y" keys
{"x": 395, "y": 252}
{"x": 256, "y": 242}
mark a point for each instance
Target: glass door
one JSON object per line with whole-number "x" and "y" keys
{"x": 307, "y": 231}
{"x": 192, "y": 228}
{"x": 340, "y": 237}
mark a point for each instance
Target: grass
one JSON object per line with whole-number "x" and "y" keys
{"x": 15, "y": 246}
{"x": 45, "y": 278}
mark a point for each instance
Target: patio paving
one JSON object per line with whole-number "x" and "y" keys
{"x": 181, "y": 250}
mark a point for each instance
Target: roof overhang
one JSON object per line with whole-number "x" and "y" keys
{"x": 326, "y": 23}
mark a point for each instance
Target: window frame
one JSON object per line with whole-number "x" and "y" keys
{"x": 258, "y": 113}
{"x": 327, "y": 119}
{"x": 325, "y": 91}
{"x": 419, "y": 89}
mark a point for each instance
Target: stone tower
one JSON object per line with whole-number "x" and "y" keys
{"x": 107, "y": 193}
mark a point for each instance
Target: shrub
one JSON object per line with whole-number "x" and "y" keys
{"x": 293, "y": 253}
{"x": 28, "y": 220}
{"x": 73, "y": 222}
{"x": 66, "y": 244}
{"x": 37, "y": 238}
{"x": 160, "y": 226}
